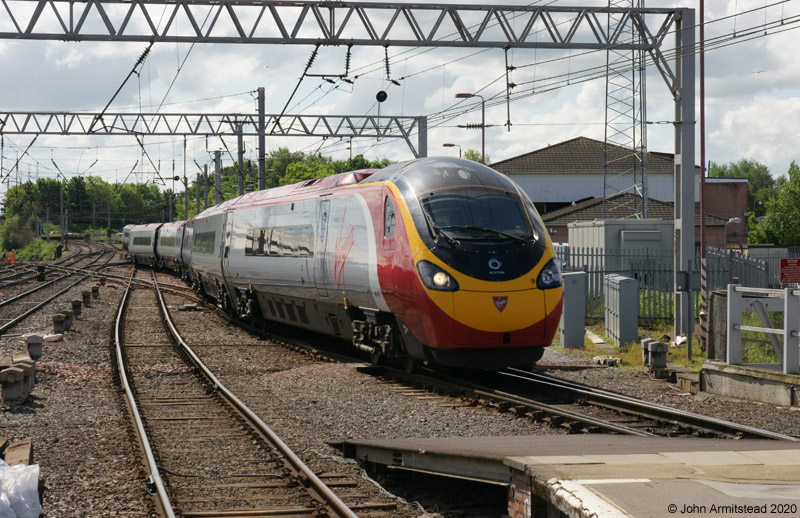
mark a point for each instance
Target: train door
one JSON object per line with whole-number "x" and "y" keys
{"x": 225, "y": 248}
{"x": 320, "y": 264}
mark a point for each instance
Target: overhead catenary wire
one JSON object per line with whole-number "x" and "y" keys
{"x": 440, "y": 118}
{"x": 139, "y": 61}
{"x": 299, "y": 82}
{"x": 551, "y": 83}
{"x": 573, "y": 76}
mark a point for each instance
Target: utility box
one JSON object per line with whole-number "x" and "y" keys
{"x": 614, "y": 235}
{"x": 572, "y": 326}
{"x": 622, "y": 308}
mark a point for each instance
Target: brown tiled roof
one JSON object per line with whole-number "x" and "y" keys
{"x": 618, "y": 206}
{"x": 580, "y": 155}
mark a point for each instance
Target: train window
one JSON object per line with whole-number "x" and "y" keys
{"x": 288, "y": 242}
{"x": 248, "y": 241}
{"x": 305, "y": 241}
{"x": 204, "y": 242}
{"x": 538, "y": 224}
{"x": 476, "y": 212}
{"x": 167, "y": 241}
{"x": 274, "y": 242}
{"x": 143, "y": 240}
{"x": 389, "y": 218}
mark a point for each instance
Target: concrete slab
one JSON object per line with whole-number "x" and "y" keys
{"x": 751, "y": 383}
{"x": 609, "y": 476}
{"x": 654, "y": 498}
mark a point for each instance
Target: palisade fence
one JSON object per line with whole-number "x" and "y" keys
{"x": 654, "y": 272}
{"x": 773, "y": 260}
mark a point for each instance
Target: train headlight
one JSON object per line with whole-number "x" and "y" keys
{"x": 550, "y": 276}
{"x": 434, "y": 278}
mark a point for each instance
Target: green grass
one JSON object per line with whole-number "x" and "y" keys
{"x": 756, "y": 347}
{"x": 630, "y": 354}
{"x": 38, "y": 250}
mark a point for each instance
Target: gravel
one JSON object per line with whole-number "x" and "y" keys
{"x": 89, "y": 460}
{"x": 638, "y": 383}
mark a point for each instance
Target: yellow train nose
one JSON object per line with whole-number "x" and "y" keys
{"x": 495, "y": 312}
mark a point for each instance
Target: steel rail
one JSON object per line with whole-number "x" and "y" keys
{"x": 11, "y": 323}
{"x": 656, "y": 411}
{"x": 26, "y": 269}
{"x": 72, "y": 271}
{"x": 155, "y": 482}
{"x": 452, "y": 384}
{"x": 34, "y": 290}
{"x": 183, "y": 291}
{"x": 469, "y": 388}
{"x": 323, "y": 491}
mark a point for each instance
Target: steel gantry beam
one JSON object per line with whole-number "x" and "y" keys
{"x": 218, "y": 124}
{"x": 332, "y": 23}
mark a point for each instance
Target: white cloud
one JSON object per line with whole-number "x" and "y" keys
{"x": 752, "y": 93}
{"x": 765, "y": 129}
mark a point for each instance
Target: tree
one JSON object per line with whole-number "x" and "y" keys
{"x": 100, "y": 195}
{"x": 781, "y": 225}
{"x": 475, "y": 156}
{"x": 760, "y": 184}
{"x": 76, "y": 201}
{"x": 15, "y": 233}
{"x": 312, "y": 167}
{"x": 278, "y": 160}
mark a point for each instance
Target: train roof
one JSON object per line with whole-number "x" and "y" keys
{"x": 286, "y": 191}
{"x": 146, "y": 227}
{"x": 173, "y": 224}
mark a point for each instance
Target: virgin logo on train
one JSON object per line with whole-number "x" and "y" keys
{"x": 500, "y": 303}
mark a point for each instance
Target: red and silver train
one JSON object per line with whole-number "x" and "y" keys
{"x": 437, "y": 260}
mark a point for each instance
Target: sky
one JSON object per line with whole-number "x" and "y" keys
{"x": 752, "y": 96}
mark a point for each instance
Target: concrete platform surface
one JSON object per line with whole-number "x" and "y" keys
{"x": 612, "y": 475}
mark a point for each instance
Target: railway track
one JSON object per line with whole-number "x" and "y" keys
{"x": 576, "y": 408}
{"x": 563, "y": 404}
{"x": 207, "y": 453}
{"x": 20, "y": 273}
{"x": 17, "y": 308}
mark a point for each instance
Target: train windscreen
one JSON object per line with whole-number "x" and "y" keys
{"x": 476, "y": 212}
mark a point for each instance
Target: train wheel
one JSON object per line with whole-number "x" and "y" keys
{"x": 410, "y": 364}
{"x": 376, "y": 357}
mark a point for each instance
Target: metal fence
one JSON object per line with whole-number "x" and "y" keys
{"x": 773, "y": 260}
{"x": 655, "y": 274}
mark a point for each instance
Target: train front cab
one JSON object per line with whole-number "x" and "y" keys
{"x": 482, "y": 288}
